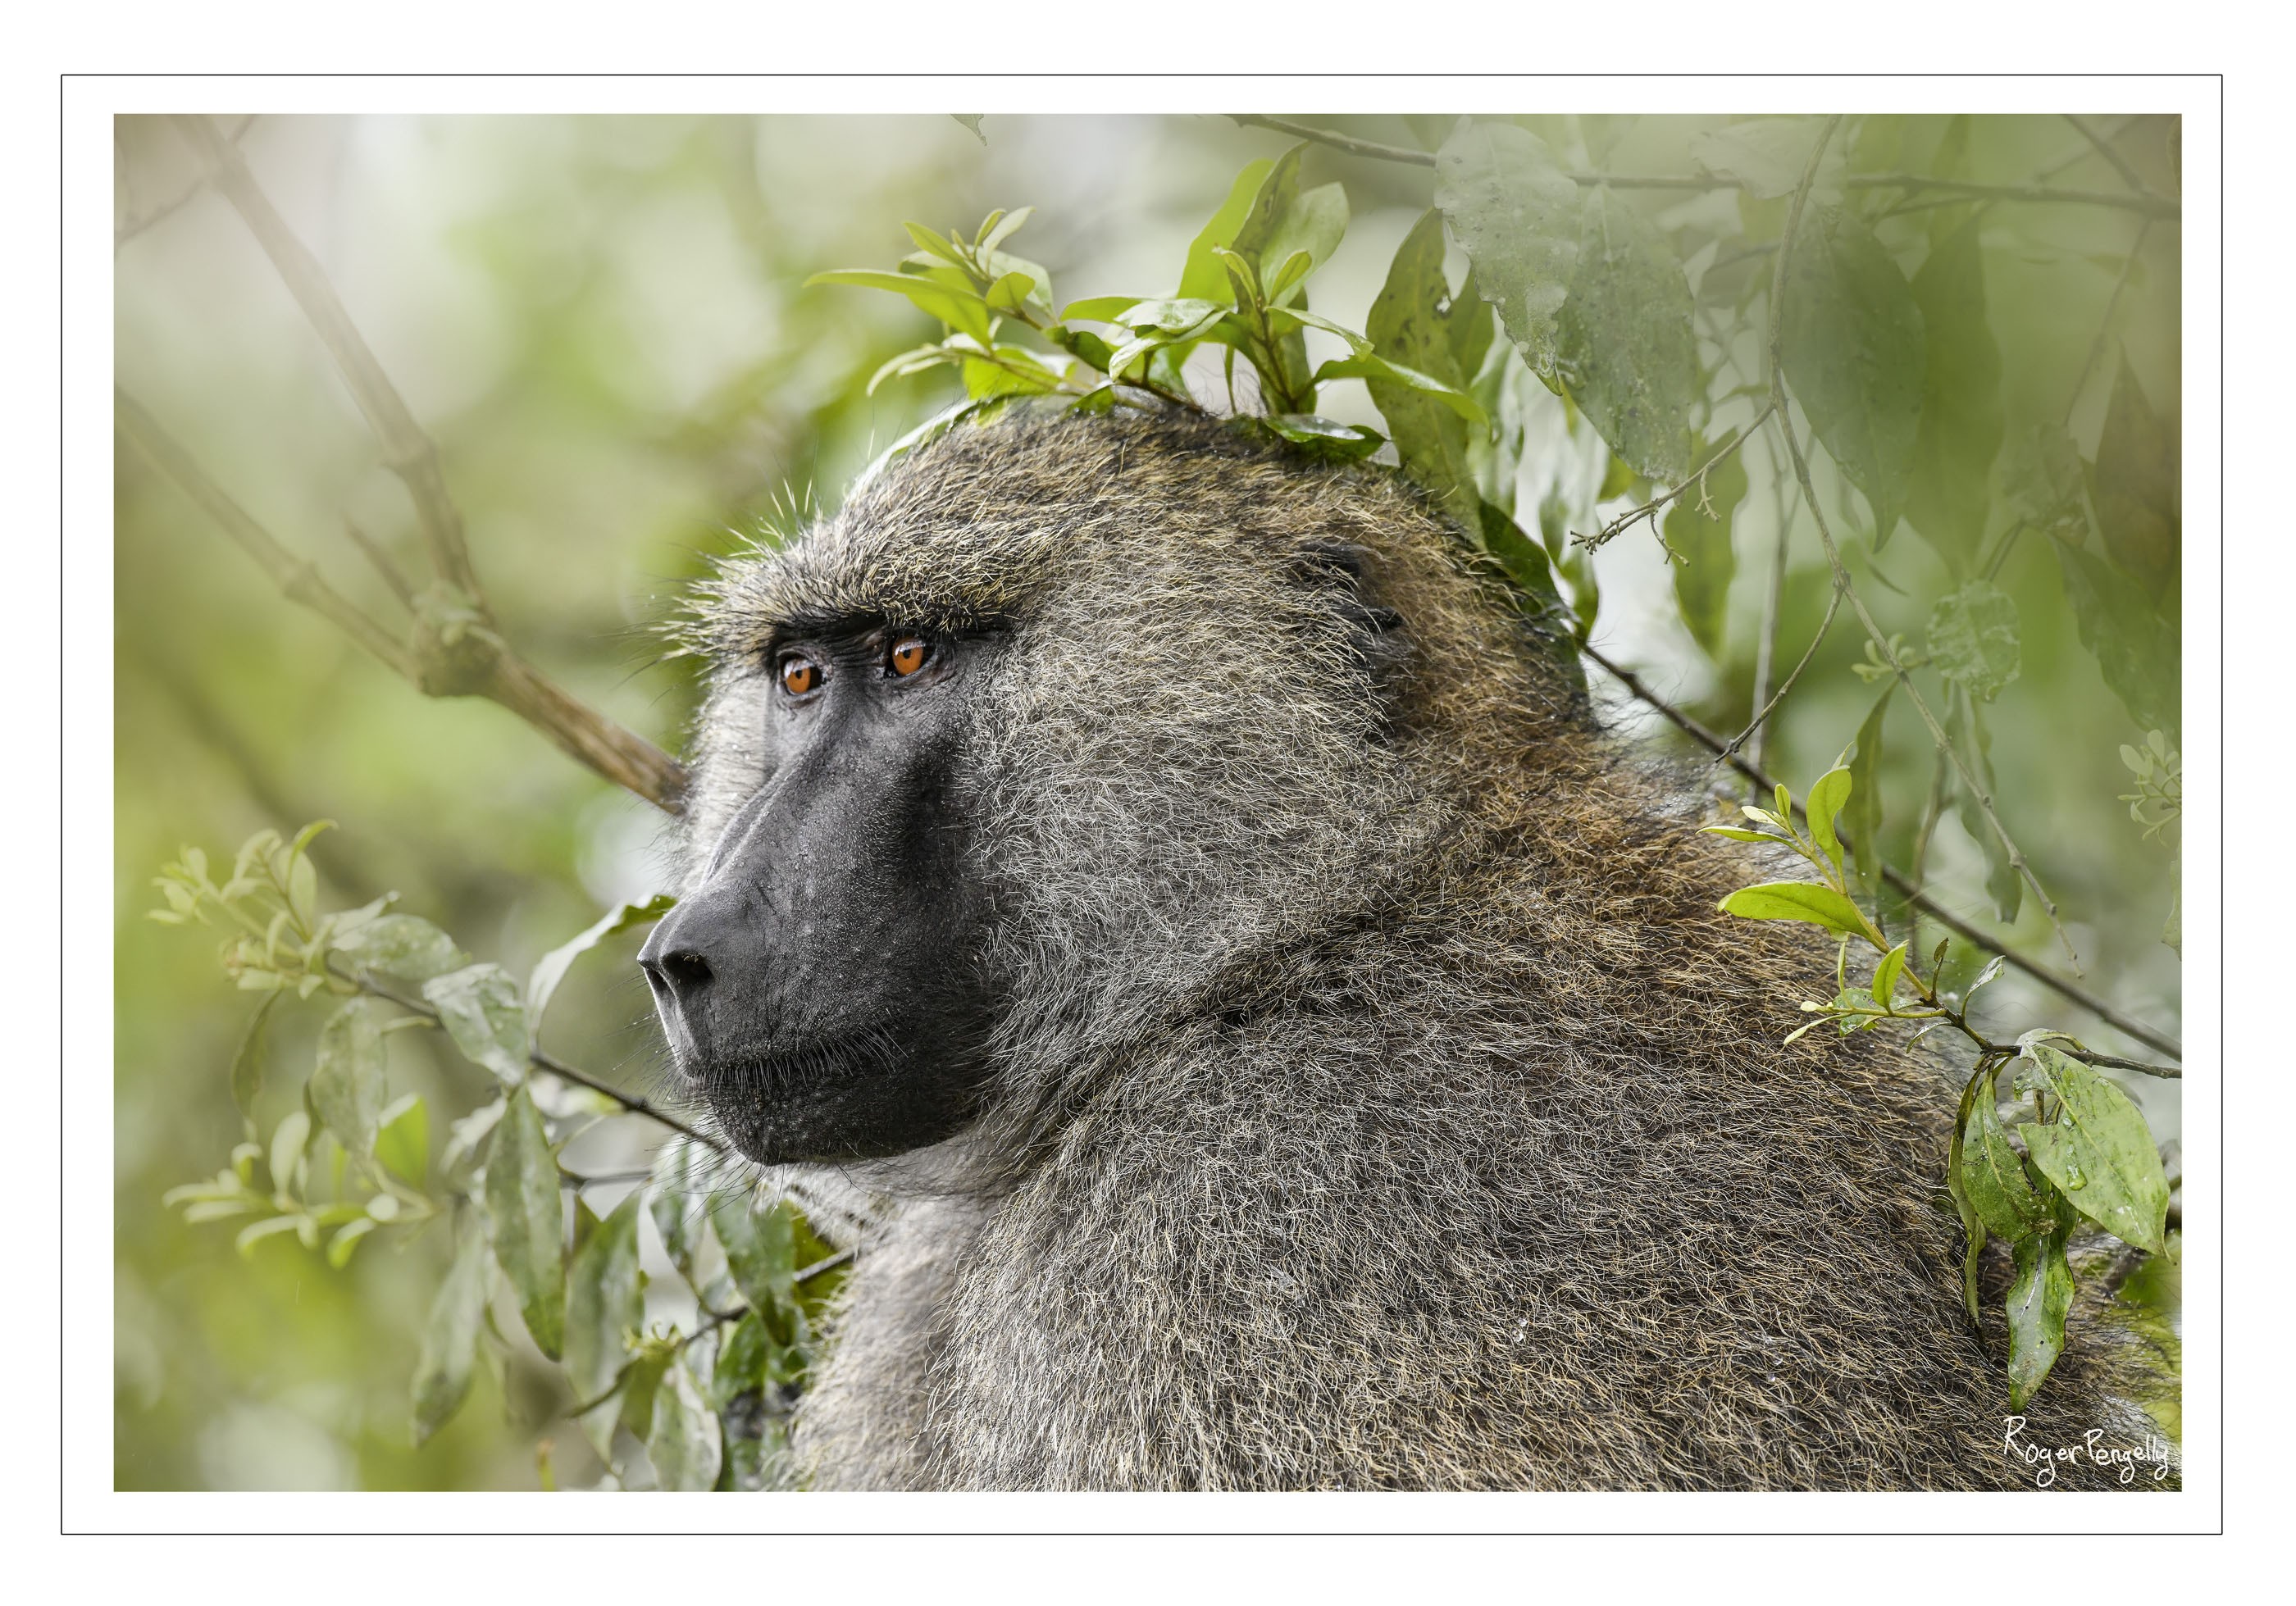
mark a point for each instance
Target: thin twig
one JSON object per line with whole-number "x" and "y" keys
{"x": 407, "y": 451}
{"x": 1773, "y": 598}
{"x": 1338, "y": 142}
{"x": 296, "y": 577}
{"x": 1650, "y": 510}
{"x": 556, "y": 1067}
{"x": 487, "y": 666}
{"x": 2064, "y": 987}
{"x": 2149, "y": 204}
{"x": 1978, "y": 794}
{"x": 383, "y": 566}
{"x": 168, "y": 209}
{"x": 1762, "y": 715}
{"x": 2119, "y": 162}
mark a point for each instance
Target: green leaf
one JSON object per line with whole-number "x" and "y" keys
{"x": 1949, "y": 497}
{"x": 998, "y": 228}
{"x": 1796, "y": 900}
{"x": 1994, "y": 1177}
{"x": 2039, "y": 1302}
{"x": 1975, "y": 744}
{"x": 1177, "y": 317}
{"x": 971, "y": 126}
{"x": 403, "y": 1142}
{"x": 1517, "y": 216}
{"x": 1325, "y": 439}
{"x": 1312, "y": 225}
{"x": 288, "y": 1142}
{"x": 1862, "y": 815}
{"x": 1416, "y": 320}
{"x": 2042, "y": 481}
{"x": 684, "y": 1445}
{"x": 958, "y": 307}
{"x": 1370, "y": 366}
{"x": 2135, "y": 489}
{"x": 1698, "y": 532}
{"x": 1627, "y": 347}
{"x": 347, "y": 1090}
{"x": 349, "y": 1236}
{"x": 678, "y": 1199}
{"x": 1972, "y": 638}
{"x": 1828, "y": 794}
{"x": 1205, "y": 277}
{"x": 1765, "y": 156}
{"x": 464, "y": 1136}
{"x": 2138, "y": 651}
{"x": 760, "y": 1248}
{"x": 526, "y": 1221}
{"x": 1854, "y": 350}
{"x": 641, "y": 1381}
{"x": 271, "y": 1226}
{"x": 2097, "y": 1150}
{"x": 401, "y": 948}
{"x": 481, "y": 1007}
{"x": 249, "y": 1063}
{"x": 742, "y": 1362}
{"x": 606, "y": 1306}
{"x": 450, "y": 1337}
{"x": 550, "y": 970}
{"x": 1107, "y": 309}
{"x": 1885, "y": 976}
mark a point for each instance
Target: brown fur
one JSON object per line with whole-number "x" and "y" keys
{"x": 1384, "y": 1102}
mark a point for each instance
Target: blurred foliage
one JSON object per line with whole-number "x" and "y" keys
{"x": 607, "y": 325}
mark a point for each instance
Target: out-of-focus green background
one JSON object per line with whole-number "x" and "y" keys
{"x": 602, "y": 322}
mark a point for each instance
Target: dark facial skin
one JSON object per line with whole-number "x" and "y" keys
{"x": 823, "y": 988}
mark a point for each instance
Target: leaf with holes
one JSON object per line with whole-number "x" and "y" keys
{"x": 483, "y": 1012}
{"x": 1516, "y": 215}
{"x": 1972, "y": 638}
{"x": 525, "y": 1221}
{"x": 1627, "y": 347}
{"x": 2097, "y": 1150}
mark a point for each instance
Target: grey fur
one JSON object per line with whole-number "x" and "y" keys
{"x": 1384, "y": 1102}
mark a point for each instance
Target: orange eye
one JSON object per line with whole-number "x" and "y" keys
{"x": 800, "y": 675}
{"x": 908, "y": 656}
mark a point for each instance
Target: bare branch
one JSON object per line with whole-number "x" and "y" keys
{"x": 2064, "y": 987}
{"x": 297, "y": 577}
{"x": 555, "y": 1066}
{"x": 407, "y": 451}
{"x": 477, "y": 663}
{"x": 2144, "y": 202}
{"x": 383, "y": 566}
{"x": 2118, "y": 163}
{"x": 1762, "y": 714}
{"x": 1650, "y": 510}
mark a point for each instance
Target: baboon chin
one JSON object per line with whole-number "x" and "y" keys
{"x": 1334, "y": 1071}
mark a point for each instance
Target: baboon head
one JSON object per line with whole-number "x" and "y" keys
{"x": 1060, "y": 730}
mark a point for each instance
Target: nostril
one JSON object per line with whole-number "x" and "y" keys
{"x": 687, "y": 973}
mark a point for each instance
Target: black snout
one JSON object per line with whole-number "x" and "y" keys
{"x": 678, "y": 976}
{"x": 705, "y": 946}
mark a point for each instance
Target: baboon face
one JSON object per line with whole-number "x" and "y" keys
{"x": 823, "y": 982}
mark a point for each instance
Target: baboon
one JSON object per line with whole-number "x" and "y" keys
{"x": 1268, "y": 1035}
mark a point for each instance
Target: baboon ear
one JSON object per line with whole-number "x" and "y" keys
{"x": 1346, "y": 570}
{"x": 1346, "y": 577}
